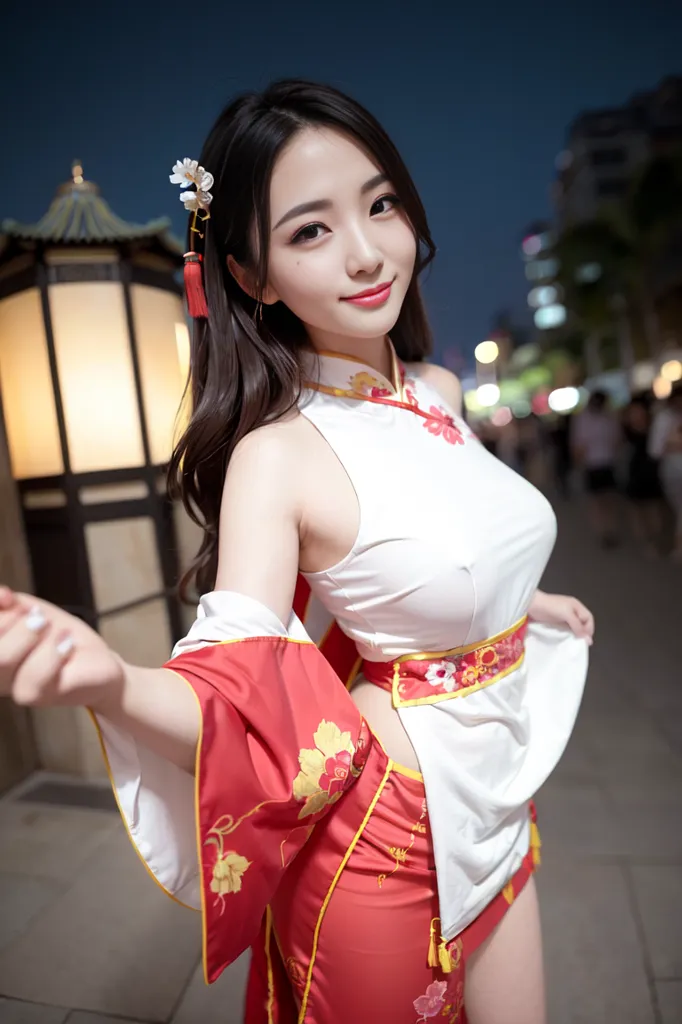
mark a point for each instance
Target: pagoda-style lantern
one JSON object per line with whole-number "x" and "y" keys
{"x": 93, "y": 362}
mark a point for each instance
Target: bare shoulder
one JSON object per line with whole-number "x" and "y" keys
{"x": 265, "y": 470}
{"x": 270, "y": 448}
{"x": 443, "y": 381}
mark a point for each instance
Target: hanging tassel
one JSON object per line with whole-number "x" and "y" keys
{"x": 535, "y": 844}
{"x": 432, "y": 959}
{"x": 444, "y": 957}
{"x": 194, "y": 286}
{"x": 439, "y": 954}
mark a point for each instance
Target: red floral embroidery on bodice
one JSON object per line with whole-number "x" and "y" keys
{"x": 371, "y": 385}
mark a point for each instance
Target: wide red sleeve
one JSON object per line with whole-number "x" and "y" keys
{"x": 280, "y": 742}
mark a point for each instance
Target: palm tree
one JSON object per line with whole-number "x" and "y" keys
{"x": 608, "y": 264}
{"x": 594, "y": 270}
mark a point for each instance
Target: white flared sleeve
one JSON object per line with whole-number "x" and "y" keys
{"x": 155, "y": 797}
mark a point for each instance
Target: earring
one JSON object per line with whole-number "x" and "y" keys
{"x": 258, "y": 314}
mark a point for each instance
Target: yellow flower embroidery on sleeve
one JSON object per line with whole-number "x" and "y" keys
{"x": 325, "y": 770}
{"x": 230, "y": 866}
{"x": 227, "y": 873}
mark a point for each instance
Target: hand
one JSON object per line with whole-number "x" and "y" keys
{"x": 559, "y": 610}
{"x": 50, "y": 657}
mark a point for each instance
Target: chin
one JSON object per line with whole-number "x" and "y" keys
{"x": 365, "y": 323}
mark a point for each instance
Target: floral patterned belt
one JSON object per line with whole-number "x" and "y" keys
{"x": 432, "y": 677}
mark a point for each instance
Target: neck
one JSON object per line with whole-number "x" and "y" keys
{"x": 373, "y": 352}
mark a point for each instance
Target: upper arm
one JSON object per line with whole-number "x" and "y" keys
{"x": 445, "y": 383}
{"x": 258, "y": 540}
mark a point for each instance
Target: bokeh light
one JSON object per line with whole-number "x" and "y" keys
{"x": 662, "y": 387}
{"x": 502, "y": 416}
{"x": 563, "y": 399}
{"x": 543, "y": 295}
{"x": 550, "y": 316}
{"x": 642, "y": 376}
{"x": 487, "y": 352}
{"x": 488, "y": 395}
{"x": 672, "y": 370}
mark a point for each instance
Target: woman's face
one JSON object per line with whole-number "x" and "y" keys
{"x": 337, "y": 230}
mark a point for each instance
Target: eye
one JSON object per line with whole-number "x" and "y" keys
{"x": 388, "y": 202}
{"x": 308, "y": 233}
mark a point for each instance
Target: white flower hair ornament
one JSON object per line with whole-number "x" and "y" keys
{"x": 189, "y": 173}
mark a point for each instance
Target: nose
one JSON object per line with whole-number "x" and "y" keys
{"x": 362, "y": 256}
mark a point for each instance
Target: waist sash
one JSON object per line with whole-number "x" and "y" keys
{"x": 428, "y": 678}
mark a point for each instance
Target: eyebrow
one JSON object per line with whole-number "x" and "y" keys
{"x": 315, "y": 205}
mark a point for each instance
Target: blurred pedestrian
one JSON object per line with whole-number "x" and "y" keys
{"x": 665, "y": 444}
{"x": 595, "y": 440}
{"x": 531, "y": 451}
{"x": 559, "y": 437}
{"x": 643, "y": 485}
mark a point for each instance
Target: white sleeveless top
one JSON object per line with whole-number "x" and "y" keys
{"x": 450, "y": 550}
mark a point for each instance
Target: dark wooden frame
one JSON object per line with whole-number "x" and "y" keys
{"x": 44, "y": 526}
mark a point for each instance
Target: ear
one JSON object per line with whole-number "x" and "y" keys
{"x": 245, "y": 280}
{"x": 242, "y": 276}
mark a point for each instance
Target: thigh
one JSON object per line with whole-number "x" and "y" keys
{"x": 505, "y": 977}
{"x": 372, "y": 962}
{"x": 356, "y": 941}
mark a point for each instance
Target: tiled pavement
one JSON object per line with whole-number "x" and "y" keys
{"x": 85, "y": 938}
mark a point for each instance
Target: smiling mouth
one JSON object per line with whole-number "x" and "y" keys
{"x": 371, "y": 296}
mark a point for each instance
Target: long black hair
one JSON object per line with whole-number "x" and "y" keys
{"x": 244, "y": 370}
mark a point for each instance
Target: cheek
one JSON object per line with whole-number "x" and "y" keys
{"x": 300, "y": 281}
{"x": 404, "y": 244}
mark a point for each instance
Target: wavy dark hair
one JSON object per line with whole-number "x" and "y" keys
{"x": 244, "y": 371}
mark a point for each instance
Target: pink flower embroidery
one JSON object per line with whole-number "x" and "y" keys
{"x": 335, "y": 774}
{"x": 430, "y": 1004}
{"x": 409, "y": 389}
{"x": 442, "y": 673}
{"x": 442, "y": 422}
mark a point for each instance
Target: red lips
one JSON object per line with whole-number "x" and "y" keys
{"x": 370, "y": 291}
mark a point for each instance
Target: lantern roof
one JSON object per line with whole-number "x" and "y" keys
{"x": 79, "y": 215}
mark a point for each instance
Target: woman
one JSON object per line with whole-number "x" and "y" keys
{"x": 643, "y": 487}
{"x": 665, "y": 444}
{"x": 381, "y": 841}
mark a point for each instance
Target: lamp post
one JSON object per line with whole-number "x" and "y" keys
{"x": 93, "y": 362}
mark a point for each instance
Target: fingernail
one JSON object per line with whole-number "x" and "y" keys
{"x": 35, "y": 620}
{"x": 65, "y": 646}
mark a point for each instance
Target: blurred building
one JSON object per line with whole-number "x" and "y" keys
{"x": 606, "y": 147}
{"x": 541, "y": 267}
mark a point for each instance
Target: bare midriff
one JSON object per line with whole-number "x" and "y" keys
{"x": 376, "y": 706}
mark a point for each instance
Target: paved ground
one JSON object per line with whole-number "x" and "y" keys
{"x": 85, "y": 938}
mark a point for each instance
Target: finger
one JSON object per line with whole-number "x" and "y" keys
{"x": 9, "y": 618}
{"x": 37, "y": 680}
{"x": 13, "y": 607}
{"x": 17, "y": 642}
{"x": 576, "y": 625}
{"x": 587, "y": 619}
{"x": 7, "y": 598}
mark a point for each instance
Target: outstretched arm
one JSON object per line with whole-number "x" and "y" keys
{"x": 48, "y": 657}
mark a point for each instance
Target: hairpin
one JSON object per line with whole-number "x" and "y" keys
{"x": 188, "y": 173}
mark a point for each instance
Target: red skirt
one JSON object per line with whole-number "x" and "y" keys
{"x": 353, "y": 931}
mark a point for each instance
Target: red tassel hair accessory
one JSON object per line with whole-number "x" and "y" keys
{"x": 194, "y": 286}
{"x": 189, "y": 173}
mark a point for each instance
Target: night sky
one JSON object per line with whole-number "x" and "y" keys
{"x": 478, "y": 101}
